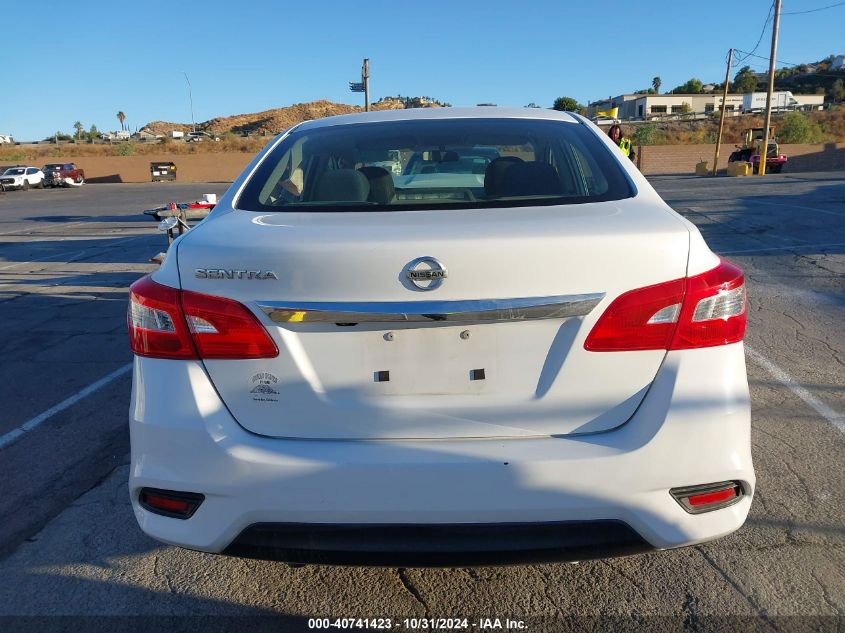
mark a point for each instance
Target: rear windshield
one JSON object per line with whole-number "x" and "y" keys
{"x": 452, "y": 163}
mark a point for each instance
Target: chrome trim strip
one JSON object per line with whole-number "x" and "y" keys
{"x": 480, "y": 310}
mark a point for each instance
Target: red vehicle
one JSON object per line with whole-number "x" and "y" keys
{"x": 62, "y": 175}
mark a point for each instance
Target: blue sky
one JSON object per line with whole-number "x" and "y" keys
{"x": 96, "y": 58}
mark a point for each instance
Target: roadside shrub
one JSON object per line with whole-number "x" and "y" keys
{"x": 797, "y": 128}
{"x": 646, "y": 134}
{"x": 124, "y": 149}
{"x": 703, "y": 135}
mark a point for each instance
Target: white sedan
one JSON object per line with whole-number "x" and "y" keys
{"x": 540, "y": 361}
{"x": 22, "y": 177}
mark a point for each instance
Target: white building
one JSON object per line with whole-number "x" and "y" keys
{"x": 644, "y": 107}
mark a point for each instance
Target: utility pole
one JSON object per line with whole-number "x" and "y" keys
{"x": 724, "y": 107}
{"x": 365, "y": 79}
{"x": 764, "y": 149}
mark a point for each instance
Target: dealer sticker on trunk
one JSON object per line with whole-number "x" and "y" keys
{"x": 262, "y": 387}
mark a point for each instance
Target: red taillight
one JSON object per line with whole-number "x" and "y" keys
{"x": 639, "y": 319}
{"x": 701, "y": 311}
{"x": 156, "y": 325}
{"x": 222, "y": 328}
{"x": 714, "y": 311}
{"x": 169, "y": 323}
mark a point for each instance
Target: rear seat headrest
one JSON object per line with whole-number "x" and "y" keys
{"x": 342, "y": 185}
{"x": 530, "y": 179}
{"x": 382, "y": 189}
{"x": 494, "y": 172}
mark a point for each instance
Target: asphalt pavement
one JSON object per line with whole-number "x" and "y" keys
{"x": 69, "y": 544}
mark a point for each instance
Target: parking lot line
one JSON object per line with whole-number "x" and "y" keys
{"x": 39, "y": 419}
{"x": 84, "y": 250}
{"x": 795, "y": 206}
{"x": 45, "y": 229}
{"x": 829, "y": 414}
{"x": 764, "y": 249}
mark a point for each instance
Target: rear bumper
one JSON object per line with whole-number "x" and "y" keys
{"x": 436, "y": 545}
{"x": 692, "y": 428}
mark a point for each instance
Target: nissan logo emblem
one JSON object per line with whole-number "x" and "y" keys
{"x": 425, "y": 273}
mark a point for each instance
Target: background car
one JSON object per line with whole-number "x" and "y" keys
{"x": 62, "y": 175}
{"x": 22, "y": 177}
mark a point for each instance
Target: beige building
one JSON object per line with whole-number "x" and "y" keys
{"x": 644, "y": 107}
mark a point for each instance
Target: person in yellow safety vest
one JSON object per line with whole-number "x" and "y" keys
{"x": 618, "y": 138}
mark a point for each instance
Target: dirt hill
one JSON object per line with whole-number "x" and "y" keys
{"x": 270, "y": 121}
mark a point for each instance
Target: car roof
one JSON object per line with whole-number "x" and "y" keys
{"x": 416, "y": 114}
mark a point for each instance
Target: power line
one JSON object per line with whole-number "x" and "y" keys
{"x": 762, "y": 32}
{"x": 779, "y": 61}
{"x": 830, "y": 6}
{"x": 785, "y": 63}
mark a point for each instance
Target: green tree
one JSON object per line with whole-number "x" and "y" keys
{"x": 798, "y": 128}
{"x": 656, "y": 83}
{"x": 93, "y": 133}
{"x": 79, "y": 128}
{"x": 691, "y": 87}
{"x": 568, "y": 104}
{"x": 837, "y": 90}
{"x": 686, "y": 108}
{"x": 121, "y": 117}
{"x": 745, "y": 81}
{"x": 59, "y": 136}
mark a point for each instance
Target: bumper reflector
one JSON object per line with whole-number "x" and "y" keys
{"x": 170, "y": 503}
{"x": 707, "y": 497}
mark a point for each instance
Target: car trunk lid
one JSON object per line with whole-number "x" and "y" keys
{"x": 496, "y": 350}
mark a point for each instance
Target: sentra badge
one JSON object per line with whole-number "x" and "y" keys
{"x": 229, "y": 273}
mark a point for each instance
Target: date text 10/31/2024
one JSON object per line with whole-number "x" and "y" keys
{"x": 416, "y": 624}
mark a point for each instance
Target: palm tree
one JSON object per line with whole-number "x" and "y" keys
{"x": 121, "y": 117}
{"x": 78, "y": 127}
{"x": 656, "y": 83}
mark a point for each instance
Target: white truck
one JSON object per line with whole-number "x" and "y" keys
{"x": 6, "y": 139}
{"x": 756, "y": 101}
